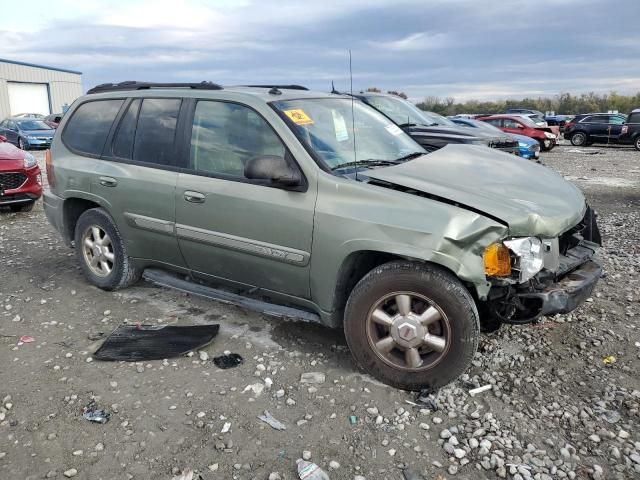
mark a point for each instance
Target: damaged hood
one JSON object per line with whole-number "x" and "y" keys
{"x": 530, "y": 198}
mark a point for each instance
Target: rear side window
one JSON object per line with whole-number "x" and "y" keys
{"x": 156, "y": 131}
{"x": 123, "y": 143}
{"x": 89, "y": 126}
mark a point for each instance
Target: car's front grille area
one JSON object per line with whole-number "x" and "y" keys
{"x": 504, "y": 145}
{"x": 11, "y": 181}
{"x": 587, "y": 229}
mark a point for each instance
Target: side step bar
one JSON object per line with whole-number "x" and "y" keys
{"x": 164, "y": 279}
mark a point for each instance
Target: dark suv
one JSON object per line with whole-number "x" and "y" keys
{"x": 631, "y": 130}
{"x": 589, "y": 128}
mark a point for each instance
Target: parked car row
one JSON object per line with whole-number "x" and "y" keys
{"x": 608, "y": 128}
{"x": 323, "y": 207}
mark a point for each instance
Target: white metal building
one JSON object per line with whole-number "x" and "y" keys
{"x": 29, "y": 88}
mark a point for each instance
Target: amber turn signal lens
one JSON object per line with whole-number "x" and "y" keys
{"x": 497, "y": 262}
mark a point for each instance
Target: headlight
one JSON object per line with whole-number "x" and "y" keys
{"x": 529, "y": 256}
{"x": 549, "y": 135}
{"x": 29, "y": 160}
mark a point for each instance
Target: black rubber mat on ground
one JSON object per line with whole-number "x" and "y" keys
{"x": 134, "y": 343}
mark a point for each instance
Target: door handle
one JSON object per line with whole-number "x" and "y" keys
{"x": 194, "y": 197}
{"x": 108, "y": 181}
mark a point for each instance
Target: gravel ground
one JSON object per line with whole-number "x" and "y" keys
{"x": 555, "y": 409}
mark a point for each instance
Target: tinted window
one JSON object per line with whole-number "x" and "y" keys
{"x": 634, "y": 118}
{"x": 156, "y": 131}
{"x": 226, "y": 135}
{"x": 87, "y": 129}
{"x": 616, "y": 119}
{"x": 495, "y": 122}
{"x": 123, "y": 142}
{"x": 600, "y": 119}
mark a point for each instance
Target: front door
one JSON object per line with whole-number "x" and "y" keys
{"x": 233, "y": 228}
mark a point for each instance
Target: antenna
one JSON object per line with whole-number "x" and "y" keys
{"x": 353, "y": 119}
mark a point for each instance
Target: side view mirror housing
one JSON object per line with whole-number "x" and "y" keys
{"x": 274, "y": 169}
{"x": 3, "y": 138}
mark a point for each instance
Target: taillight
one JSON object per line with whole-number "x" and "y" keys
{"x": 49, "y": 166}
{"x": 625, "y": 129}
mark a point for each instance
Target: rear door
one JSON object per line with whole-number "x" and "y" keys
{"x": 135, "y": 177}
{"x": 233, "y": 228}
{"x": 598, "y": 127}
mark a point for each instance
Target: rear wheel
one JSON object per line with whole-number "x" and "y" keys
{"x": 101, "y": 251}
{"x": 637, "y": 143}
{"x": 579, "y": 139}
{"x": 412, "y": 325}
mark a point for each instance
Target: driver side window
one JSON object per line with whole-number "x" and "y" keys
{"x": 509, "y": 123}
{"x": 225, "y": 136}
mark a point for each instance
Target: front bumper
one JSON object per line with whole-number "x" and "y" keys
{"x": 29, "y": 191}
{"x": 568, "y": 293}
{"x": 38, "y": 142}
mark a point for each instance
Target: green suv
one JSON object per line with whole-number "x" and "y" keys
{"x": 312, "y": 205}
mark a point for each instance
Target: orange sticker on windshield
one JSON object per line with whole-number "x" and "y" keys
{"x": 298, "y": 117}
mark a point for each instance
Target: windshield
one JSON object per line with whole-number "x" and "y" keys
{"x": 403, "y": 112}
{"x": 325, "y": 125}
{"x": 33, "y": 125}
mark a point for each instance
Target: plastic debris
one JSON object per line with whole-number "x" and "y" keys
{"x": 311, "y": 471}
{"x": 425, "y": 399}
{"x": 353, "y": 419}
{"x": 226, "y": 427}
{"x": 608, "y": 360}
{"x": 476, "y": 391}
{"x": 312, "y": 377}
{"x": 228, "y": 361}
{"x": 133, "y": 343}
{"x": 93, "y": 414}
{"x": 268, "y": 418}
{"x": 27, "y": 339}
{"x": 187, "y": 474}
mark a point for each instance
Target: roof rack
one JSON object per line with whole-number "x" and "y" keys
{"x": 286, "y": 87}
{"x": 134, "y": 85}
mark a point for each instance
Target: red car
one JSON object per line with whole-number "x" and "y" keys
{"x": 521, "y": 125}
{"x": 20, "y": 178}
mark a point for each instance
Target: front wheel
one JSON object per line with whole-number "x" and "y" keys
{"x": 22, "y": 145}
{"x": 412, "y": 325}
{"x": 101, "y": 251}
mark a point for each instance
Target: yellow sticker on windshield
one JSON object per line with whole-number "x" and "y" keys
{"x": 298, "y": 116}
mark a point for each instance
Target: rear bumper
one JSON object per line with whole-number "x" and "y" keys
{"x": 569, "y": 292}
{"x": 53, "y": 210}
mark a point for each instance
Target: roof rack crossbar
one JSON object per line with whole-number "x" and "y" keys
{"x": 286, "y": 87}
{"x": 134, "y": 85}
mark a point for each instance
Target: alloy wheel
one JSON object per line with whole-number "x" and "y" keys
{"x": 98, "y": 251}
{"x": 579, "y": 139}
{"x": 408, "y": 331}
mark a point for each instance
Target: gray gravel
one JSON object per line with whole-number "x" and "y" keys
{"x": 555, "y": 409}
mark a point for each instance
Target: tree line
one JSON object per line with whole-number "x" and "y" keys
{"x": 561, "y": 104}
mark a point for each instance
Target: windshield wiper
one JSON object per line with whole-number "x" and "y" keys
{"x": 409, "y": 156}
{"x": 366, "y": 163}
{"x": 405, "y": 125}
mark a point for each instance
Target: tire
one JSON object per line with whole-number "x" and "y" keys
{"x": 636, "y": 143}
{"x": 119, "y": 272}
{"x": 429, "y": 287}
{"x": 25, "y": 207}
{"x": 22, "y": 145}
{"x": 579, "y": 139}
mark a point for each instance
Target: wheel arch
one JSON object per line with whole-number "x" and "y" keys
{"x": 359, "y": 263}
{"x": 72, "y": 209}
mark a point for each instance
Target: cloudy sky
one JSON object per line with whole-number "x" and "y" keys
{"x": 460, "y": 48}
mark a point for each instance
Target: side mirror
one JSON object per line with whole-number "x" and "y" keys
{"x": 3, "y": 138}
{"x": 273, "y": 168}
{"x": 521, "y": 127}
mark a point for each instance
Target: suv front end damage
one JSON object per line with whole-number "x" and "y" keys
{"x": 543, "y": 276}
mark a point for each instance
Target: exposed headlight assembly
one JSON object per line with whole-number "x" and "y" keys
{"x": 29, "y": 160}
{"x": 529, "y": 256}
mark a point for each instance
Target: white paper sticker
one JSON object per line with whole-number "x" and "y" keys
{"x": 393, "y": 129}
{"x": 340, "y": 126}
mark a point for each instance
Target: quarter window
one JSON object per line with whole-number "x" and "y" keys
{"x": 225, "y": 136}
{"x": 89, "y": 126}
